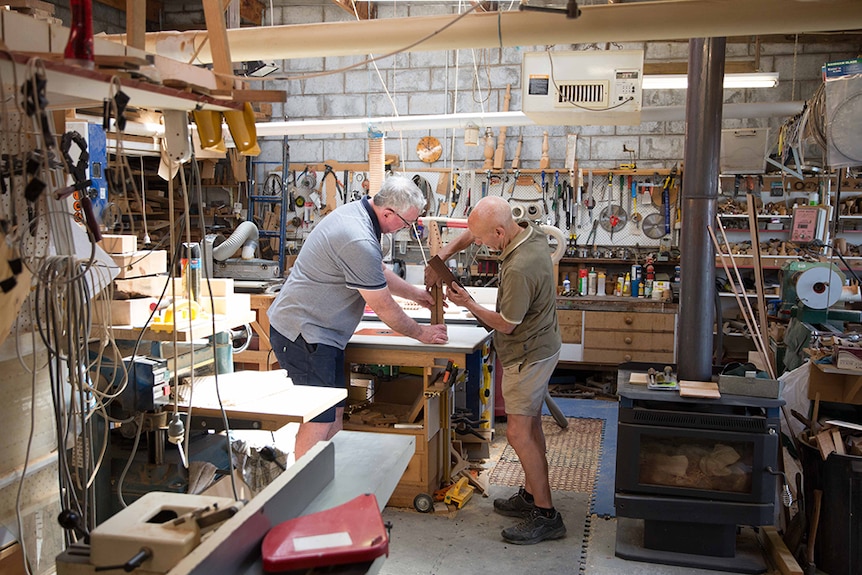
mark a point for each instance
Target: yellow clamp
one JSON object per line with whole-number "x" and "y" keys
{"x": 185, "y": 311}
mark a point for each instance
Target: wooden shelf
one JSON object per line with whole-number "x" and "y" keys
{"x": 76, "y": 87}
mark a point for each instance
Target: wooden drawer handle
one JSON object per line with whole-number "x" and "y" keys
{"x": 628, "y": 339}
{"x": 627, "y": 357}
{"x": 629, "y": 319}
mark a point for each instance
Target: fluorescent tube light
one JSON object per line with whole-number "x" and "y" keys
{"x": 731, "y": 81}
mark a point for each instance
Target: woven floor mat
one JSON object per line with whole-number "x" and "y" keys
{"x": 573, "y": 456}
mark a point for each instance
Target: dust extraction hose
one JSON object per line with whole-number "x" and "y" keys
{"x": 246, "y": 236}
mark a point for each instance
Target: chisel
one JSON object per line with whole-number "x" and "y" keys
{"x": 556, "y": 198}
{"x": 544, "y": 190}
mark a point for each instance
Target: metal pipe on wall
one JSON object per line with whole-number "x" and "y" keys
{"x": 699, "y": 195}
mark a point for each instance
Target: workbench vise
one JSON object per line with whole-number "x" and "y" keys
{"x": 149, "y": 536}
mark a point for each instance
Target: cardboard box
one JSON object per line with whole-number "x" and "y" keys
{"x": 134, "y": 312}
{"x": 141, "y": 263}
{"x": 144, "y": 286}
{"x": 119, "y": 244}
{"x": 218, "y": 287}
{"x": 235, "y": 303}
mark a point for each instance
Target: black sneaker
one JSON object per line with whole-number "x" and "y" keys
{"x": 515, "y": 506}
{"x": 535, "y": 528}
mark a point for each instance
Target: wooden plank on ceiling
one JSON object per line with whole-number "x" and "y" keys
{"x": 364, "y": 10}
{"x": 251, "y": 12}
{"x": 154, "y": 7}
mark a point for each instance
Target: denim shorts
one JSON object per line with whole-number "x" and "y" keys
{"x": 314, "y": 364}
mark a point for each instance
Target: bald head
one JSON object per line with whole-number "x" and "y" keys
{"x": 491, "y": 222}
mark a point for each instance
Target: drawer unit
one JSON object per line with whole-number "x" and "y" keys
{"x": 629, "y": 321}
{"x": 617, "y": 337}
{"x": 629, "y": 340}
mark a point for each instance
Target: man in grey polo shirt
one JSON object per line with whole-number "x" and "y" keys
{"x": 339, "y": 270}
{"x": 527, "y": 339}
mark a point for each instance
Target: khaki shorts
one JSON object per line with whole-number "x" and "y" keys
{"x": 525, "y": 386}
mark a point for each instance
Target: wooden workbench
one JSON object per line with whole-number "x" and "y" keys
{"x": 431, "y": 464}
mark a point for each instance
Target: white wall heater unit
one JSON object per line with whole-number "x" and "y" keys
{"x": 590, "y": 88}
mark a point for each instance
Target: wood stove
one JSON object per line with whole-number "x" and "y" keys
{"x": 689, "y": 471}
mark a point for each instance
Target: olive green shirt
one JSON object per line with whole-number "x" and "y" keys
{"x": 527, "y": 297}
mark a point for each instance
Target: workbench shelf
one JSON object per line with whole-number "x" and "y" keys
{"x": 422, "y": 396}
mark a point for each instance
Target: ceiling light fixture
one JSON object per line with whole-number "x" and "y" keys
{"x": 731, "y": 81}
{"x": 259, "y": 68}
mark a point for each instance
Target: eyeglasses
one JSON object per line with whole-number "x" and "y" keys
{"x": 400, "y": 217}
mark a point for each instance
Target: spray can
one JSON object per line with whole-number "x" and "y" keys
{"x": 592, "y": 282}
{"x": 191, "y": 270}
{"x": 582, "y": 281}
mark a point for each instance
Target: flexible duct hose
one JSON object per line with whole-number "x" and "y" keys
{"x": 245, "y": 236}
{"x": 561, "y": 241}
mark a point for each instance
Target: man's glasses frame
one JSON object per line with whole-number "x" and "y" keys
{"x": 400, "y": 217}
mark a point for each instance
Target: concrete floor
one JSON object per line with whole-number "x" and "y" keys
{"x": 468, "y": 541}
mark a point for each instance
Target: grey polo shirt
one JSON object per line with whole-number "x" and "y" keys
{"x": 320, "y": 298}
{"x": 527, "y": 297}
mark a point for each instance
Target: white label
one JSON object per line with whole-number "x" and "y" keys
{"x": 327, "y": 541}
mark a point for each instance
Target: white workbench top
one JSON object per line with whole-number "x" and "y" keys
{"x": 462, "y": 338}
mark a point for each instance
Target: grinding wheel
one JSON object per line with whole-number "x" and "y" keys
{"x": 613, "y": 211}
{"x": 653, "y": 226}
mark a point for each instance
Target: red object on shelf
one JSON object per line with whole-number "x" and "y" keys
{"x": 350, "y": 533}
{"x": 79, "y": 48}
